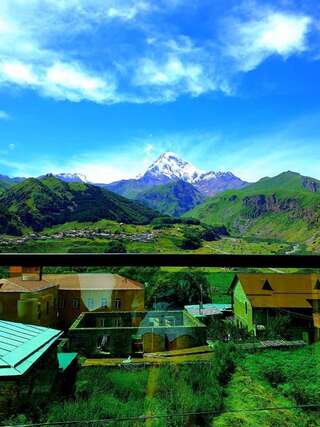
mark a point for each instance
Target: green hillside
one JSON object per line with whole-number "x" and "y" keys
{"x": 284, "y": 207}
{"x": 7, "y": 182}
{"x": 173, "y": 198}
{"x": 38, "y": 203}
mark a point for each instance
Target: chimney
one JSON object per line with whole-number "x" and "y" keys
{"x": 26, "y": 273}
{"x": 15, "y": 271}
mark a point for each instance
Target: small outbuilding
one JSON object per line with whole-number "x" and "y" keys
{"x": 28, "y": 365}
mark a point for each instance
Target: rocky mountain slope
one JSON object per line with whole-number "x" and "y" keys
{"x": 284, "y": 207}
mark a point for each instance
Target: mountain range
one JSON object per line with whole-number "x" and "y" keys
{"x": 39, "y": 203}
{"x": 285, "y": 207}
{"x": 170, "y": 184}
{"x": 174, "y": 198}
{"x": 168, "y": 167}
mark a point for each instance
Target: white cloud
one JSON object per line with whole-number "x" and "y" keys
{"x": 17, "y": 72}
{"x": 100, "y": 172}
{"x": 175, "y": 73}
{"x": 129, "y": 12}
{"x": 69, "y": 81}
{"x": 4, "y": 115}
{"x": 251, "y": 41}
{"x": 12, "y": 146}
{"x": 109, "y": 51}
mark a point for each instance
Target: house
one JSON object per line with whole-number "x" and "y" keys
{"x": 135, "y": 333}
{"x": 258, "y": 298}
{"x": 89, "y": 292}
{"x": 29, "y": 299}
{"x": 28, "y": 365}
{"x": 28, "y": 296}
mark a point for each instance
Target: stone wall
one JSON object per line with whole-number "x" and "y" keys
{"x": 118, "y": 341}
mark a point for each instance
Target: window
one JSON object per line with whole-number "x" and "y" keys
{"x": 90, "y": 303}
{"x": 103, "y": 302}
{"x": 267, "y": 286}
{"x": 75, "y": 303}
{"x": 61, "y": 303}
{"x": 317, "y": 286}
{"x": 103, "y": 323}
{"x": 246, "y": 307}
{"x": 117, "y": 304}
{"x": 116, "y": 322}
{"x": 39, "y": 311}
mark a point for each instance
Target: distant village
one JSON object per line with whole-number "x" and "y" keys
{"x": 84, "y": 233}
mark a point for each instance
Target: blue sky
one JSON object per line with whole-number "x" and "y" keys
{"x": 102, "y": 87}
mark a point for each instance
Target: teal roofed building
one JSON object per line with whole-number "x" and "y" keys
{"x": 28, "y": 364}
{"x": 22, "y": 345}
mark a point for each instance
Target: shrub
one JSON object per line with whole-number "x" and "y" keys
{"x": 115, "y": 246}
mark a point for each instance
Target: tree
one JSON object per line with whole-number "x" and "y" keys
{"x": 210, "y": 235}
{"x": 180, "y": 289}
{"x": 115, "y": 247}
{"x": 191, "y": 240}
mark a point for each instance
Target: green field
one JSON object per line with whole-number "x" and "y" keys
{"x": 270, "y": 389}
{"x": 274, "y": 379}
{"x": 164, "y": 240}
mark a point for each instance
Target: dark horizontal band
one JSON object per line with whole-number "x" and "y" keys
{"x": 169, "y": 260}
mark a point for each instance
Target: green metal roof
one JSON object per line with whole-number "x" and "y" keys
{"x": 65, "y": 359}
{"x": 22, "y": 345}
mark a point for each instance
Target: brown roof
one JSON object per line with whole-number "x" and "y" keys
{"x": 93, "y": 281}
{"x": 288, "y": 290}
{"x": 16, "y": 284}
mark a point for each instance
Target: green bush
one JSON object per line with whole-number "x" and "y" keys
{"x": 115, "y": 246}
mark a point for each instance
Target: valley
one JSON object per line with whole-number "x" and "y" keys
{"x": 172, "y": 207}
{"x": 93, "y": 237}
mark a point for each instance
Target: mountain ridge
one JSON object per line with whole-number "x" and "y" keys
{"x": 38, "y": 203}
{"x": 286, "y": 207}
{"x": 173, "y": 198}
{"x": 169, "y": 167}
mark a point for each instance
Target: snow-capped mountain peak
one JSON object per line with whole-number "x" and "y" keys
{"x": 72, "y": 177}
{"x": 170, "y": 165}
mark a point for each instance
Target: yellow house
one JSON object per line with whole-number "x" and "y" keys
{"x": 259, "y": 297}
{"x": 29, "y": 301}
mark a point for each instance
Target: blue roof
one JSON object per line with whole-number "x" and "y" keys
{"x": 22, "y": 345}
{"x": 207, "y": 309}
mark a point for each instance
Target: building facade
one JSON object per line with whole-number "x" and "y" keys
{"x": 29, "y": 301}
{"x": 257, "y": 299}
{"x": 58, "y": 299}
{"x": 93, "y": 292}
